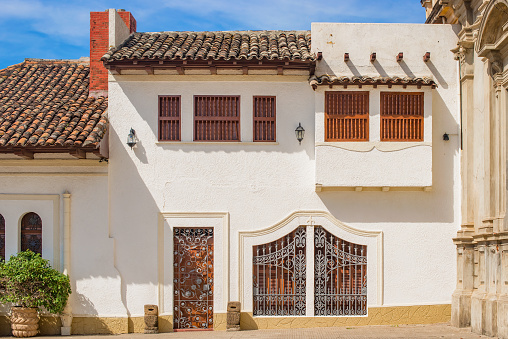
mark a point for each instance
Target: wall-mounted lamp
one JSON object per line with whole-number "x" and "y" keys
{"x": 300, "y": 132}
{"x": 372, "y": 57}
{"x": 131, "y": 138}
{"x": 446, "y": 137}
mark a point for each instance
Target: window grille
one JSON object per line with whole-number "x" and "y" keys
{"x": 31, "y": 233}
{"x": 280, "y": 275}
{"x": 169, "y": 118}
{"x": 2, "y": 237}
{"x": 216, "y": 118}
{"x": 401, "y": 116}
{"x": 264, "y": 118}
{"x": 346, "y": 116}
{"x": 340, "y": 276}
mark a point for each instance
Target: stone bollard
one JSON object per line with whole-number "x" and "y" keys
{"x": 151, "y": 319}
{"x": 233, "y": 316}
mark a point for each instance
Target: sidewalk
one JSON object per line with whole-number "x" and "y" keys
{"x": 402, "y": 331}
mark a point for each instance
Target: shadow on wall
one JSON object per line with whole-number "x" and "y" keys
{"x": 401, "y": 206}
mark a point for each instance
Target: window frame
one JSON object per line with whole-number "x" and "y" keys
{"x": 169, "y": 118}
{"x": 236, "y": 119}
{"x": 348, "y": 117}
{"x": 261, "y": 119}
{"x": 385, "y": 118}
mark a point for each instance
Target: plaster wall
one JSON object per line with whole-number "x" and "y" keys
{"x": 27, "y": 187}
{"x": 375, "y": 163}
{"x": 260, "y": 184}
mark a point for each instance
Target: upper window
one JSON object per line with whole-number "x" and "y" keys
{"x": 216, "y": 118}
{"x": 169, "y": 118}
{"x": 31, "y": 233}
{"x": 346, "y": 116}
{"x": 264, "y": 118}
{"x": 401, "y": 116}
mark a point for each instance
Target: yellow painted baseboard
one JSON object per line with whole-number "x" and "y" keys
{"x": 397, "y": 315}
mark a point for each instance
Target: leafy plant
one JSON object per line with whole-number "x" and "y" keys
{"x": 27, "y": 280}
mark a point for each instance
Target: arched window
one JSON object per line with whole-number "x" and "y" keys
{"x": 31, "y": 233}
{"x": 2, "y": 237}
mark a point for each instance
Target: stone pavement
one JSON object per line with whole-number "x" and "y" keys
{"x": 401, "y": 331}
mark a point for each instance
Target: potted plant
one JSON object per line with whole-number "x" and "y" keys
{"x": 28, "y": 282}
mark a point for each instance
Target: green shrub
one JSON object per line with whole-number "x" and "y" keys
{"x": 27, "y": 280}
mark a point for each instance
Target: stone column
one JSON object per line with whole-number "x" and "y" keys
{"x": 66, "y": 316}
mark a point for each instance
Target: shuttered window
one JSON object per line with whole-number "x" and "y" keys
{"x": 264, "y": 118}
{"x": 169, "y": 118}
{"x": 2, "y": 237}
{"x": 31, "y": 233}
{"x": 401, "y": 116}
{"x": 216, "y": 118}
{"x": 346, "y": 116}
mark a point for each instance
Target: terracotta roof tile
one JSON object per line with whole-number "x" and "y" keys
{"x": 234, "y": 45}
{"x": 45, "y": 103}
{"x": 315, "y": 81}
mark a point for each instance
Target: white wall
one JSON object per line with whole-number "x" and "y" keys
{"x": 261, "y": 184}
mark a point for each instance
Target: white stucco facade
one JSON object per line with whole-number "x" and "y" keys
{"x": 401, "y": 200}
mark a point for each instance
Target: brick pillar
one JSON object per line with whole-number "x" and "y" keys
{"x": 99, "y": 45}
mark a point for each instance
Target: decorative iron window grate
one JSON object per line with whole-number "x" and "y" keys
{"x": 264, "y": 118}
{"x": 169, "y": 118}
{"x": 216, "y": 118}
{"x": 31, "y": 233}
{"x": 346, "y": 116}
{"x": 280, "y": 276}
{"x": 401, "y": 116}
{"x": 340, "y": 275}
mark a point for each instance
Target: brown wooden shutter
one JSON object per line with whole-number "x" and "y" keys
{"x": 346, "y": 116}
{"x": 2, "y": 237}
{"x": 401, "y": 116}
{"x": 169, "y": 118}
{"x": 216, "y": 118}
{"x": 264, "y": 118}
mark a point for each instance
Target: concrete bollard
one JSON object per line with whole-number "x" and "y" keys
{"x": 151, "y": 319}
{"x": 233, "y": 316}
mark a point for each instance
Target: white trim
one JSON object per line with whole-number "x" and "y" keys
{"x": 308, "y": 218}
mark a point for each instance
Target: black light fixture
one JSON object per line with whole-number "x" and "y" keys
{"x": 300, "y": 132}
{"x": 446, "y": 137}
{"x": 131, "y": 138}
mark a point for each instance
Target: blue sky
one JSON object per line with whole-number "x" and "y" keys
{"x": 60, "y": 29}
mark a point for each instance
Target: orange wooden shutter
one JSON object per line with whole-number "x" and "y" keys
{"x": 346, "y": 116}
{"x": 264, "y": 118}
{"x": 169, "y": 118}
{"x": 401, "y": 116}
{"x": 216, "y": 118}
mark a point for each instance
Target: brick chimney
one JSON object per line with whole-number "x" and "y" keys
{"x": 107, "y": 29}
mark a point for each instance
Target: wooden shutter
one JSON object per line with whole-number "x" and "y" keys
{"x": 264, "y": 118}
{"x": 401, "y": 116}
{"x": 2, "y": 237}
{"x": 169, "y": 118}
{"x": 346, "y": 116}
{"x": 216, "y": 118}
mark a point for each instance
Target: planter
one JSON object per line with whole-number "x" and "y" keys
{"x": 24, "y": 321}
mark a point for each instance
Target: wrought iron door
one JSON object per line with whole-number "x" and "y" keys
{"x": 193, "y": 278}
{"x": 340, "y": 274}
{"x": 279, "y": 274}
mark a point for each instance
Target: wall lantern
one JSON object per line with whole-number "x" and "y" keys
{"x": 300, "y": 132}
{"x": 131, "y": 138}
{"x": 446, "y": 137}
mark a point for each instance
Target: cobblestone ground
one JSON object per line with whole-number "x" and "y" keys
{"x": 401, "y": 331}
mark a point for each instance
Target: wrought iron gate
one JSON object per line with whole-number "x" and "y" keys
{"x": 340, "y": 274}
{"x": 193, "y": 278}
{"x": 279, "y": 274}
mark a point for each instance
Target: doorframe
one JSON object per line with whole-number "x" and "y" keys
{"x": 219, "y": 221}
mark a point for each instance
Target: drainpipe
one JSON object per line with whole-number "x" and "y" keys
{"x": 66, "y": 316}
